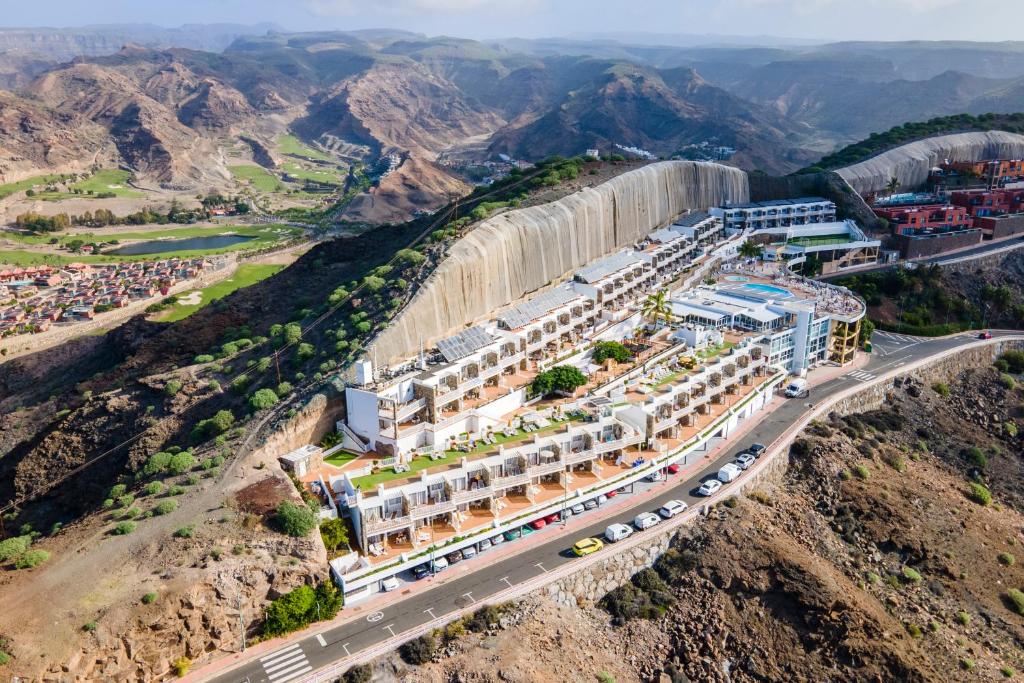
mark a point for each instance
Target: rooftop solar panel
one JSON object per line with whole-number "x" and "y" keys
{"x": 538, "y": 306}
{"x": 608, "y": 265}
{"x": 464, "y": 343}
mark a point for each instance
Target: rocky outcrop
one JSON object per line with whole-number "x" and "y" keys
{"x": 911, "y": 162}
{"x": 518, "y": 252}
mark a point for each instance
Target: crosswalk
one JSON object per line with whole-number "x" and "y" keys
{"x": 286, "y": 664}
{"x": 861, "y": 375}
{"x": 901, "y": 338}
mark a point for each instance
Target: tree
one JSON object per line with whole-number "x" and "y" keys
{"x": 295, "y": 520}
{"x": 262, "y": 399}
{"x": 656, "y": 308}
{"x": 750, "y": 249}
{"x": 561, "y": 378}
{"x": 611, "y": 349}
{"x": 334, "y": 534}
{"x": 892, "y": 185}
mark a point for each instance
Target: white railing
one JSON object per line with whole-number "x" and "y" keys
{"x": 582, "y": 456}
{"x": 383, "y": 526}
{"x": 468, "y": 495}
{"x": 546, "y": 468}
{"x": 406, "y": 410}
{"x": 420, "y": 511}
{"x": 512, "y": 480}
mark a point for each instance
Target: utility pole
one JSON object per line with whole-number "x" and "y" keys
{"x": 241, "y": 616}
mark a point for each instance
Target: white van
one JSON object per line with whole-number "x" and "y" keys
{"x": 645, "y": 520}
{"x": 796, "y": 388}
{"x": 617, "y": 532}
{"x": 729, "y": 472}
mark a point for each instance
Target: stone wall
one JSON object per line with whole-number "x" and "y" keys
{"x": 518, "y": 252}
{"x": 911, "y": 163}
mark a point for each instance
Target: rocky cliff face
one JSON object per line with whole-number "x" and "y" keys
{"x": 911, "y": 163}
{"x": 521, "y": 251}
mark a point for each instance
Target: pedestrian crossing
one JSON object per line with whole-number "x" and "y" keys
{"x": 286, "y": 664}
{"x": 901, "y": 338}
{"x": 861, "y": 375}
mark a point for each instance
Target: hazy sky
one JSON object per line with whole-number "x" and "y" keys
{"x": 809, "y": 19}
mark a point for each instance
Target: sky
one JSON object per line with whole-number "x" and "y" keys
{"x": 986, "y": 20}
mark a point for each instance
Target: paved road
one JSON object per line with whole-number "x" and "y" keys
{"x": 978, "y": 251}
{"x": 296, "y": 660}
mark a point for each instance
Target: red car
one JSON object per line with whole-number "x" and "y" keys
{"x": 552, "y": 518}
{"x": 538, "y": 524}
{"x": 672, "y": 469}
{"x": 985, "y": 335}
{"x": 611, "y": 494}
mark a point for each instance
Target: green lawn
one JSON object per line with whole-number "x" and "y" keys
{"x": 289, "y": 144}
{"x": 260, "y": 178}
{"x": 7, "y": 189}
{"x": 820, "y": 240}
{"x": 109, "y": 180}
{"x": 340, "y": 458}
{"x": 246, "y": 275}
{"x": 315, "y": 175}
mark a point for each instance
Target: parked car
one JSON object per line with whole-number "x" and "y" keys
{"x": 602, "y": 499}
{"x": 552, "y": 518}
{"x": 421, "y": 571}
{"x": 565, "y": 514}
{"x": 744, "y": 460}
{"x": 797, "y": 388}
{"x": 468, "y": 552}
{"x": 617, "y": 532}
{"x": 497, "y": 540}
{"x": 389, "y": 584}
{"x": 985, "y": 335}
{"x": 621, "y": 489}
{"x": 590, "y": 504}
{"x": 729, "y": 472}
{"x": 672, "y": 469}
{"x": 655, "y": 476}
{"x": 587, "y": 546}
{"x": 672, "y": 508}
{"x": 756, "y": 449}
{"x": 538, "y": 524}
{"x": 484, "y": 545}
{"x": 645, "y": 520}
{"x": 454, "y": 557}
{"x": 612, "y": 494}
{"x": 577, "y": 509}
{"x": 440, "y": 564}
{"x": 525, "y": 530}
{"x": 513, "y": 534}
{"x": 709, "y": 487}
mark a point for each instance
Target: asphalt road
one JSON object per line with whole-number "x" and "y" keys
{"x": 537, "y": 556}
{"x": 979, "y": 250}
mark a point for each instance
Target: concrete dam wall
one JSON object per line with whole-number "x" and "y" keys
{"x": 518, "y": 252}
{"x": 911, "y": 162}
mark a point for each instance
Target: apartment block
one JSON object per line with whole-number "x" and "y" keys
{"x": 776, "y": 213}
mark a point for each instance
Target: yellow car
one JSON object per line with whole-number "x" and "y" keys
{"x": 587, "y": 546}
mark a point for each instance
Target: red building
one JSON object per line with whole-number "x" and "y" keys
{"x": 912, "y": 220}
{"x": 998, "y": 169}
{"x": 989, "y": 202}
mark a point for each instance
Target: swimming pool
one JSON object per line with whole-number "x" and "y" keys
{"x": 769, "y": 289}
{"x": 737, "y": 278}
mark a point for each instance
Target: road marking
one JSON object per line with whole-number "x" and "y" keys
{"x": 389, "y": 629}
{"x": 541, "y": 567}
{"x": 505, "y": 579}
{"x": 285, "y": 664}
{"x": 345, "y": 648}
{"x": 320, "y": 639}
{"x": 470, "y": 596}
{"x": 430, "y": 611}
{"x": 375, "y": 617}
{"x": 861, "y": 375}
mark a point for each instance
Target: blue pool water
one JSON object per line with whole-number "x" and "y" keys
{"x": 769, "y": 289}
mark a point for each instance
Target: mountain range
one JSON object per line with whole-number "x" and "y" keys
{"x": 167, "y": 112}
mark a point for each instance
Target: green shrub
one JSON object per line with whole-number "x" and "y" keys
{"x": 914, "y": 630}
{"x": 862, "y": 471}
{"x": 1011, "y": 429}
{"x": 13, "y": 547}
{"x": 181, "y": 666}
{"x": 185, "y": 532}
{"x": 605, "y": 677}
{"x": 176, "y": 490}
{"x": 165, "y": 507}
{"x": 203, "y": 358}
{"x": 295, "y": 520}
{"x": 117, "y": 490}
{"x": 360, "y": 673}
{"x": 977, "y": 457}
{"x": 963, "y": 618}
{"x": 263, "y": 399}
{"x": 1014, "y": 360}
{"x": 967, "y": 664}
{"x": 1007, "y": 381}
{"x": 419, "y": 650}
{"x": 130, "y": 513}
{"x": 941, "y": 388}
{"x": 153, "y": 488}
{"x": 125, "y": 500}
{"x": 873, "y": 578}
{"x": 156, "y": 463}
{"x": 4, "y": 658}
{"x": 124, "y": 528}
{"x": 334, "y": 533}
{"x": 933, "y": 626}
{"x": 283, "y": 389}
{"x": 845, "y": 475}
{"x": 149, "y": 598}
{"x": 89, "y": 626}
{"x": 911, "y": 575}
{"x": 172, "y": 387}
{"x": 108, "y": 503}
{"x": 979, "y": 494}
{"x": 561, "y": 378}
{"x": 1016, "y": 600}
{"x": 31, "y": 558}
{"x": 1007, "y": 559}
{"x": 1007, "y": 671}
{"x": 604, "y": 350}
{"x": 181, "y": 462}
{"x": 300, "y": 607}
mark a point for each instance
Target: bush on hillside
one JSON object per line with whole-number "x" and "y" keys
{"x": 419, "y": 650}
{"x": 294, "y": 520}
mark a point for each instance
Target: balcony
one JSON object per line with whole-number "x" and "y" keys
{"x": 432, "y": 509}
{"x": 404, "y": 410}
{"x": 385, "y": 526}
{"x": 546, "y": 468}
{"x": 411, "y": 430}
{"x": 582, "y": 456}
{"x": 470, "y": 495}
{"x": 608, "y": 446}
{"x": 511, "y": 480}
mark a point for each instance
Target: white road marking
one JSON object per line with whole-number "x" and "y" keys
{"x": 389, "y": 629}
{"x": 286, "y": 664}
{"x": 541, "y": 567}
{"x": 470, "y": 596}
{"x": 320, "y": 639}
{"x": 298, "y": 671}
{"x": 430, "y": 611}
{"x": 280, "y": 652}
{"x": 375, "y": 617}
{"x": 505, "y": 579}
{"x": 345, "y": 648}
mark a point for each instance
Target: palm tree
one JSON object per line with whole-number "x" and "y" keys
{"x": 892, "y": 185}
{"x": 656, "y": 307}
{"x": 751, "y": 249}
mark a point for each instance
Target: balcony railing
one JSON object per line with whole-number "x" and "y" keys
{"x": 546, "y": 468}
{"x": 608, "y": 446}
{"x": 383, "y": 526}
{"x": 404, "y": 410}
{"x": 459, "y": 497}
{"x": 411, "y": 430}
{"x": 582, "y": 456}
{"x": 431, "y": 509}
{"x": 511, "y": 480}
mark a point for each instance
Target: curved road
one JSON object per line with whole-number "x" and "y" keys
{"x": 297, "y": 661}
